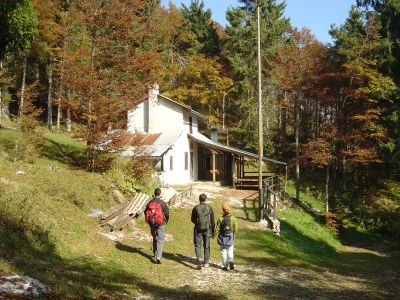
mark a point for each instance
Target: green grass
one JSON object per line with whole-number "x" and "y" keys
{"x": 45, "y": 233}
{"x": 308, "y": 197}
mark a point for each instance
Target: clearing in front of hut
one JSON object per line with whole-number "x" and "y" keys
{"x": 46, "y": 233}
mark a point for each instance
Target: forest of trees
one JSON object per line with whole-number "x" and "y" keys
{"x": 331, "y": 110}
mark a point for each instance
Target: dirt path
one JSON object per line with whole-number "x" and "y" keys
{"x": 350, "y": 280}
{"x": 289, "y": 282}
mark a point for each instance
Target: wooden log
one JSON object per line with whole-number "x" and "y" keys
{"x": 112, "y": 210}
{"x": 112, "y": 216}
{"x": 116, "y": 195}
{"x": 122, "y": 221}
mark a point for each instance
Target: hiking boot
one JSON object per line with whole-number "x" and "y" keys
{"x": 231, "y": 265}
{"x": 225, "y": 268}
{"x": 199, "y": 266}
{"x": 206, "y": 265}
{"x": 158, "y": 260}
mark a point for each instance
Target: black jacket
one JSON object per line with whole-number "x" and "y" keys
{"x": 164, "y": 208}
{"x": 195, "y": 216}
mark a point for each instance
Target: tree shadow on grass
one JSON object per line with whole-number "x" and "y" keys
{"x": 291, "y": 245}
{"x": 249, "y": 208}
{"x": 375, "y": 274}
{"x": 184, "y": 260}
{"x": 31, "y": 252}
{"x": 127, "y": 248}
{"x": 298, "y": 288}
{"x": 67, "y": 154}
{"x": 187, "y": 261}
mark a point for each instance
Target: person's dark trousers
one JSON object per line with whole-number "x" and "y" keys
{"x": 158, "y": 234}
{"x": 202, "y": 238}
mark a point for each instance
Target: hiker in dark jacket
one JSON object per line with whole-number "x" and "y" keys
{"x": 204, "y": 224}
{"x": 226, "y": 229}
{"x": 157, "y": 215}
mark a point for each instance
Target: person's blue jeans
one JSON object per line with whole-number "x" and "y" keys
{"x": 226, "y": 254}
{"x": 200, "y": 238}
{"x": 158, "y": 234}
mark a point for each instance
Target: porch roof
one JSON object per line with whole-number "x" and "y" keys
{"x": 205, "y": 141}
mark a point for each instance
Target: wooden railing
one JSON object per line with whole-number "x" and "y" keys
{"x": 273, "y": 191}
{"x": 179, "y": 197}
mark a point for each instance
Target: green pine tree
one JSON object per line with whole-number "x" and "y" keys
{"x": 204, "y": 38}
{"x": 241, "y": 53}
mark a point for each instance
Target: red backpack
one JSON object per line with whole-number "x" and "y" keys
{"x": 154, "y": 214}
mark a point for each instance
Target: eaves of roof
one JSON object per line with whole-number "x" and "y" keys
{"x": 187, "y": 108}
{"x": 198, "y": 137}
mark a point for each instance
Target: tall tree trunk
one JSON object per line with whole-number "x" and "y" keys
{"x": 69, "y": 123}
{"x": 297, "y": 133}
{"x": 49, "y": 98}
{"x": 1, "y": 93}
{"x": 61, "y": 90}
{"x": 280, "y": 112}
{"x": 327, "y": 189}
{"x": 21, "y": 101}
{"x": 344, "y": 162}
{"x": 21, "y": 107}
{"x": 284, "y": 122}
{"x": 59, "y": 114}
{"x": 89, "y": 140}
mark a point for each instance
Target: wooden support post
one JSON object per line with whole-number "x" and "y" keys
{"x": 242, "y": 167}
{"x": 213, "y": 167}
{"x": 233, "y": 171}
{"x": 237, "y": 166}
{"x": 275, "y": 206}
{"x": 260, "y": 118}
{"x": 286, "y": 179}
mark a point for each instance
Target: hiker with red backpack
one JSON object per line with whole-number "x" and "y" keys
{"x": 204, "y": 224}
{"x": 157, "y": 215}
{"x": 226, "y": 229}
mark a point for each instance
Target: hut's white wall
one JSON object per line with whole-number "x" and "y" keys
{"x": 178, "y": 174}
{"x": 195, "y": 161}
{"x": 164, "y": 115}
{"x": 137, "y": 120}
{"x": 186, "y": 122}
{"x": 157, "y": 114}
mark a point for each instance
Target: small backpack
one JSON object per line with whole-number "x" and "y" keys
{"x": 203, "y": 217}
{"x": 226, "y": 226}
{"x": 154, "y": 214}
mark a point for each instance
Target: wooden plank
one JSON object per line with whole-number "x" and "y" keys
{"x": 112, "y": 210}
{"x": 119, "y": 216}
{"x": 115, "y": 214}
{"x": 122, "y": 221}
{"x": 132, "y": 203}
{"x": 109, "y": 222}
{"x": 247, "y": 179}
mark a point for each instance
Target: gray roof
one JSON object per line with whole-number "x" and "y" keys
{"x": 198, "y": 137}
{"x": 189, "y": 109}
{"x": 163, "y": 143}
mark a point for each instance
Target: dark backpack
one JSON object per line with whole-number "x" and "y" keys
{"x": 203, "y": 217}
{"x": 154, "y": 214}
{"x": 226, "y": 226}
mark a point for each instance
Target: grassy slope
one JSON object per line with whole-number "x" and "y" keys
{"x": 45, "y": 233}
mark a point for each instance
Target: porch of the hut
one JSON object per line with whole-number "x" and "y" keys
{"x": 235, "y": 167}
